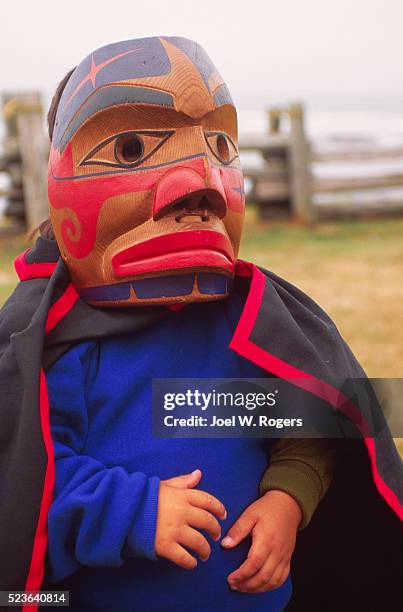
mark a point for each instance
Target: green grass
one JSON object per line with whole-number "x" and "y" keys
{"x": 10, "y": 247}
{"x": 328, "y": 239}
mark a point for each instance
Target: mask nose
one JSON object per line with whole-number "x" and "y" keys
{"x": 184, "y": 192}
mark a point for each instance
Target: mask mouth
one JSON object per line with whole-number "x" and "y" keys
{"x": 206, "y": 203}
{"x": 193, "y": 249}
{"x": 194, "y": 206}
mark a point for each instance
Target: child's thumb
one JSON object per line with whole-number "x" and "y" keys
{"x": 186, "y": 481}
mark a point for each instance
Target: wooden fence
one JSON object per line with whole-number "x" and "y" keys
{"x": 284, "y": 183}
{"x": 24, "y": 159}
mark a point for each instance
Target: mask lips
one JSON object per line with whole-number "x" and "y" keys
{"x": 205, "y": 248}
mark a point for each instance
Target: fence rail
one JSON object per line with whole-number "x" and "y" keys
{"x": 335, "y": 185}
{"x": 276, "y": 188}
{"x": 370, "y": 154}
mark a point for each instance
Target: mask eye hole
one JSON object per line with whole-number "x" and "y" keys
{"x": 129, "y": 149}
{"x": 222, "y": 147}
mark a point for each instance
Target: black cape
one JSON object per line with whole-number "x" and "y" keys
{"x": 347, "y": 558}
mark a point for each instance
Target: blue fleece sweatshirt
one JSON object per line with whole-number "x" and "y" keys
{"x": 108, "y": 466}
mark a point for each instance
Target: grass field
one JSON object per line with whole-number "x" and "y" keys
{"x": 10, "y": 247}
{"x": 354, "y": 270}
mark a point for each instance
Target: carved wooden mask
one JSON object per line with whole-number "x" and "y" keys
{"x": 145, "y": 185}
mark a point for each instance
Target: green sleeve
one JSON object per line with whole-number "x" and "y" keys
{"x": 303, "y": 468}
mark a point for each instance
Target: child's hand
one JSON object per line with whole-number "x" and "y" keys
{"x": 182, "y": 511}
{"x": 273, "y": 521}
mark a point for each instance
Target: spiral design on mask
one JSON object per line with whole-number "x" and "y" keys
{"x": 70, "y": 227}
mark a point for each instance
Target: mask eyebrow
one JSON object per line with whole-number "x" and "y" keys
{"x": 112, "y": 95}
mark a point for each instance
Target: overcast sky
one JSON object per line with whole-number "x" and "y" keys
{"x": 300, "y": 49}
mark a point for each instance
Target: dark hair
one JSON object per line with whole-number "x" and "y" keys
{"x": 45, "y": 228}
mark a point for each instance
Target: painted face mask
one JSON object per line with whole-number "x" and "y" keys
{"x": 145, "y": 185}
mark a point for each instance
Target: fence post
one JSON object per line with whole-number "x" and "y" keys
{"x": 33, "y": 148}
{"x": 274, "y": 116}
{"x": 300, "y": 175}
{"x": 11, "y": 165}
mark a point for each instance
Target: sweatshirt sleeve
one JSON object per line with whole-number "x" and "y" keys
{"x": 100, "y": 514}
{"x": 303, "y": 468}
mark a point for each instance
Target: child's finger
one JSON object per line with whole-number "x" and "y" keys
{"x": 255, "y": 560}
{"x": 208, "y": 502}
{"x": 278, "y": 578}
{"x": 178, "y": 555}
{"x": 262, "y": 580}
{"x": 201, "y": 519}
{"x": 195, "y": 541}
{"x": 185, "y": 481}
{"x": 239, "y": 530}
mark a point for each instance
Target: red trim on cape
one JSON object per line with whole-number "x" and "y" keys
{"x": 60, "y": 308}
{"x": 56, "y": 313}
{"x": 27, "y": 271}
{"x": 243, "y": 268}
{"x": 242, "y": 345}
{"x": 36, "y": 570}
